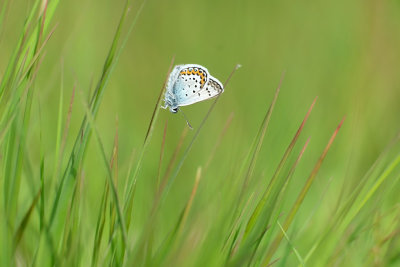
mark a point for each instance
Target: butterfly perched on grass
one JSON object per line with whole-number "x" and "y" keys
{"x": 189, "y": 84}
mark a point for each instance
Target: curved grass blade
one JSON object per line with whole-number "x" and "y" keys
{"x": 278, "y": 170}
{"x": 110, "y": 179}
{"x": 300, "y": 198}
{"x": 128, "y": 203}
{"x": 21, "y": 228}
{"x": 345, "y": 209}
{"x": 79, "y": 148}
{"x": 171, "y": 243}
{"x": 188, "y": 148}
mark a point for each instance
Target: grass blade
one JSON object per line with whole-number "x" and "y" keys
{"x": 278, "y": 170}
{"x": 300, "y": 198}
{"x": 22, "y": 226}
{"x": 185, "y": 154}
{"x": 128, "y": 203}
{"x": 110, "y": 180}
{"x": 83, "y": 136}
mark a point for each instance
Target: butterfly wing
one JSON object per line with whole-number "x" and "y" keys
{"x": 195, "y": 84}
{"x": 211, "y": 89}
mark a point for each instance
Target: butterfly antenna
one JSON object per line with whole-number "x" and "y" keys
{"x": 187, "y": 121}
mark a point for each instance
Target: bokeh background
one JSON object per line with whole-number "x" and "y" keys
{"x": 346, "y": 53}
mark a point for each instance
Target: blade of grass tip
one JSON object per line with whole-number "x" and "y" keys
{"x": 298, "y": 256}
{"x": 132, "y": 180}
{"x": 278, "y": 170}
{"x": 46, "y": 12}
{"x": 59, "y": 155}
{"x": 109, "y": 174}
{"x": 301, "y": 197}
{"x": 185, "y": 154}
{"x": 344, "y": 210}
{"x": 256, "y": 146}
{"x": 291, "y": 172}
{"x": 19, "y": 98}
{"x": 21, "y": 228}
{"x": 15, "y": 178}
{"x": 42, "y": 19}
{"x": 20, "y": 49}
{"x": 219, "y": 140}
{"x": 13, "y": 96}
{"x": 59, "y": 119}
{"x": 161, "y": 155}
{"x": 390, "y": 168}
{"x": 32, "y": 63}
{"x": 83, "y": 136}
{"x": 323, "y": 194}
{"x": 236, "y": 226}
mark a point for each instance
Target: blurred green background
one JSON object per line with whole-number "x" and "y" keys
{"x": 345, "y": 52}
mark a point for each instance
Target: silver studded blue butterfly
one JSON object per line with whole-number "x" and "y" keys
{"x": 189, "y": 84}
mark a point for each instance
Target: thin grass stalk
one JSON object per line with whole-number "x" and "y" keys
{"x": 128, "y": 203}
{"x": 171, "y": 242}
{"x": 109, "y": 176}
{"x": 161, "y": 155}
{"x": 389, "y": 170}
{"x": 298, "y": 256}
{"x": 164, "y": 189}
{"x": 101, "y": 219}
{"x": 185, "y": 154}
{"x": 334, "y": 222}
{"x": 250, "y": 157}
{"x": 260, "y": 138}
{"x": 83, "y": 137}
{"x": 59, "y": 121}
{"x": 15, "y": 179}
{"x": 219, "y": 140}
{"x": 22, "y": 226}
{"x": 278, "y": 170}
{"x": 301, "y": 197}
{"x": 19, "y": 50}
{"x": 278, "y": 199}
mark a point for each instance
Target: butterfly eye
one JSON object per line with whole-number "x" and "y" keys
{"x": 174, "y": 110}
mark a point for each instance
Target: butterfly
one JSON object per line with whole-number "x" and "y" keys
{"x": 189, "y": 84}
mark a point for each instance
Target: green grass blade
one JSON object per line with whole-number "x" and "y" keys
{"x": 83, "y": 136}
{"x": 345, "y": 210}
{"x": 260, "y": 137}
{"x": 260, "y": 218}
{"x": 298, "y": 256}
{"x": 22, "y": 226}
{"x": 132, "y": 180}
{"x": 274, "y": 178}
{"x": 301, "y": 197}
{"x": 110, "y": 179}
{"x": 171, "y": 244}
{"x": 188, "y": 148}
{"x": 278, "y": 198}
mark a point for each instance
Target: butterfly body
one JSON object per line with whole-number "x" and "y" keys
{"x": 189, "y": 84}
